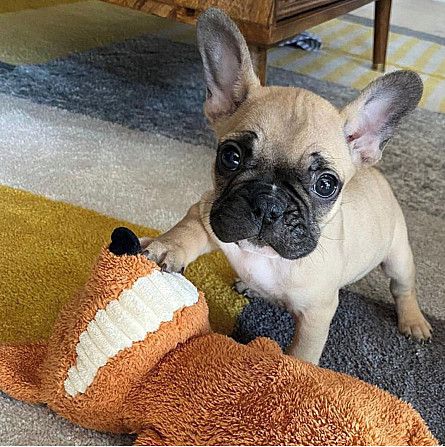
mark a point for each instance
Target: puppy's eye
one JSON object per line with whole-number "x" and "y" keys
{"x": 326, "y": 185}
{"x": 230, "y": 156}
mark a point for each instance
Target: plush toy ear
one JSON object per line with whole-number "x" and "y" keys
{"x": 124, "y": 242}
{"x": 228, "y": 71}
{"x": 372, "y": 118}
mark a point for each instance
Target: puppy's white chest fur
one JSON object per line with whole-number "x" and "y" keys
{"x": 271, "y": 276}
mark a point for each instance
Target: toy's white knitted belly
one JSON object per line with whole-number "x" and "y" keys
{"x": 137, "y": 312}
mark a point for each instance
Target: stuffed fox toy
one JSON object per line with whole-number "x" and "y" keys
{"x": 133, "y": 352}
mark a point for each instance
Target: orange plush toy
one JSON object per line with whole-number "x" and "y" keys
{"x": 133, "y": 353}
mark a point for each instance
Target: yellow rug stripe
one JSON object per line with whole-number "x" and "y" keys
{"x": 360, "y": 40}
{"x": 341, "y": 71}
{"x": 341, "y": 32}
{"x": 425, "y": 57}
{"x": 317, "y": 63}
{"x": 402, "y": 51}
{"x": 342, "y": 68}
{"x": 364, "y": 79}
{"x": 441, "y": 69}
{"x": 429, "y": 87}
{"x": 366, "y": 52}
{"x": 329, "y": 25}
{"x": 290, "y": 57}
{"x": 47, "y": 250}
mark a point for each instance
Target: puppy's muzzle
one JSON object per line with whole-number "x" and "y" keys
{"x": 266, "y": 214}
{"x": 267, "y": 209}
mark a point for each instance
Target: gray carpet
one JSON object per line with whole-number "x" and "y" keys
{"x": 364, "y": 342}
{"x": 154, "y": 85}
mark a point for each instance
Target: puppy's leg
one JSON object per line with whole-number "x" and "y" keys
{"x": 176, "y": 248}
{"x": 399, "y": 266}
{"x": 312, "y": 329}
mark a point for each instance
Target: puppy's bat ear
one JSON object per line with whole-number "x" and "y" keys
{"x": 228, "y": 71}
{"x": 371, "y": 119}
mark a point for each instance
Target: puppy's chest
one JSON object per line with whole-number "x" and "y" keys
{"x": 270, "y": 277}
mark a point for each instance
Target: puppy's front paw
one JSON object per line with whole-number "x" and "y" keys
{"x": 417, "y": 328}
{"x": 169, "y": 255}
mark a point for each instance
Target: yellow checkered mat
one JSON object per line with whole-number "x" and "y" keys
{"x": 347, "y": 53}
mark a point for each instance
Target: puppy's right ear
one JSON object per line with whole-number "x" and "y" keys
{"x": 228, "y": 70}
{"x": 372, "y": 118}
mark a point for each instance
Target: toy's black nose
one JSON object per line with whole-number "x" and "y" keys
{"x": 124, "y": 242}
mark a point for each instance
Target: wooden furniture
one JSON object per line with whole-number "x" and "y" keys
{"x": 267, "y": 22}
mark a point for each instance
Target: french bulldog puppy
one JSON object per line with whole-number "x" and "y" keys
{"x": 297, "y": 207}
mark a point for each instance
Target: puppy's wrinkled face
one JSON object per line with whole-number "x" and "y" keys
{"x": 280, "y": 167}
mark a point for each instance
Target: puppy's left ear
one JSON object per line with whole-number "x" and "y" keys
{"x": 228, "y": 70}
{"x": 371, "y": 119}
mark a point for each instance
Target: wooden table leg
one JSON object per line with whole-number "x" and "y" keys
{"x": 259, "y": 61}
{"x": 381, "y": 31}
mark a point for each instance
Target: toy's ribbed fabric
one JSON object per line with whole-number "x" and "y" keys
{"x": 138, "y": 311}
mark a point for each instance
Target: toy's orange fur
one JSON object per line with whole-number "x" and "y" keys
{"x": 183, "y": 384}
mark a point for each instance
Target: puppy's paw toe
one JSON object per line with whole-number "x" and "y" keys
{"x": 239, "y": 286}
{"x": 418, "y": 329}
{"x": 168, "y": 255}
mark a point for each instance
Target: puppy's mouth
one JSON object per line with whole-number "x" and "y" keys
{"x": 258, "y": 247}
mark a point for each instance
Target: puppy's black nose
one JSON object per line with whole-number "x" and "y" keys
{"x": 267, "y": 208}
